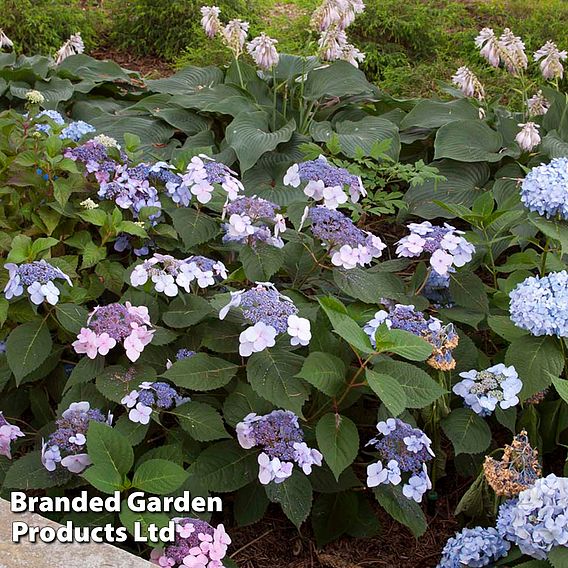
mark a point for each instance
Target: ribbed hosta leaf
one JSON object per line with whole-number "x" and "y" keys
{"x": 433, "y": 114}
{"x": 554, "y": 146}
{"x": 359, "y": 135}
{"x": 187, "y": 81}
{"x": 224, "y": 99}
{"x": 340, "y": 79}
{"x": 469, "y": 141}
{"x": 463, "y": 184}
{"x": 249, "y": 135}
{"x": 185, "y": 120}
{"x": 151, "y": 131}
{"x": 54, "y": 91}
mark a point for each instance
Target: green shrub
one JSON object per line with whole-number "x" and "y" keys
{"x": 165, "y": 28}
{"x": 41, "y": 26}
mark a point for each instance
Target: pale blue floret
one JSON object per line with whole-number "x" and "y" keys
{"x": 540, "y": 304}
{"x": 76, "y": 130}
{"x": 545, "y": 189}
{"x": 474, "y": 548}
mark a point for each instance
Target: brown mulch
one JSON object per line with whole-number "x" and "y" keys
{"x": 148, "y": 66}
{"x": 275, "y": 543}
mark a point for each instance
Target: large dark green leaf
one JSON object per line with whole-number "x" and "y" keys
{"x": 338, "y": 79}
{"x": 187, "y": 81}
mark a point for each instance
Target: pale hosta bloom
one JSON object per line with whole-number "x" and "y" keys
{"x": 210, "y": 20}
{"x": 336, "y": 12}
{"x": 263, "y": 52}
{"x": 72, "y": 46}
{"x": 331, "y": 43}
{"x": 538, "y": 105}
{"x": 234, "y": 35}
{"x": 528, "y": 137}
{"x": 5, "y": 41}
{"x": 512, "y": 52}
{"x": 488, "y": 45}
{"x": 550, "y": 60}
{"x": 468, "y": 83}
{"x": 352, "y": 55}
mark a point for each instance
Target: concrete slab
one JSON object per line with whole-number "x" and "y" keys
{"x": 56, "y": 555}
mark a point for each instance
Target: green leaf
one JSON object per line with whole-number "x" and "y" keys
{"x": 250, "y": 504}
{"x": 419, "y": 388}
{"x": 104, "y": 477}
{"x": 333, "y": 515}
{"x": 360, "y": 136}
{"x": 194, "y": 226}
{"x": 558, "y": 557}
{"x": 324, "y": 371}
{"x": 389, "y": 390}
{"x": 20, "y": 249}
{"x": 249, "y": 135}
{"x": 85, "y": 370}
{"x": 536, "y": 360}
{"x": 561, "y": 386}
{"x": 369, "y": 287}
{"x": 159, "y": 476}
{"x": 187, "y": 81}
{"x": 403, "y": 510}
{"x": 242, "y": 401}
{"x": 557, "y": 230}
{"x": 107, "y": 446}
{"x": 225, "y": 466}
{"x": 434, "y": 114}
{"x": 345, "y": 326}
{"x": 338, "y": 79}
{"x": 402, "y": 343}
{"x": 201, "y": 372}
{"x": 261, "y": 262}
{"x": 468, "y": 290}
{"x": 186, "y": 311}
{"x": 28, "y": 346}
{"x": 201, "y": 421}
{"x": 338, "y": 440}
{"x": 503, "y": 326}
{"x": 469, "y": 141}
{"x": 271, "y": 373}
{"x": 468, "y": 432}
{"x": 72, "y": 317}
{"x": 294, "y": 496}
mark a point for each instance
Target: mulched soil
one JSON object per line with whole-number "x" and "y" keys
{"x": 148, "y": 66}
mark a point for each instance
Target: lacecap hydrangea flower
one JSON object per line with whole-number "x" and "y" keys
{"x": 253, "y": 220}
{"x": 37, "y": 278}
{"x": 483, "y": 391}
{"x": 403, "y": 451}
{"x": 325, "y": 182}
{"x": 8, "y": 433}
{"x": 516, "y": 471}
{"x": 544, "y": 190}
{"x": 168, "y": 274}
{"x": 446, "y": 246}
{"x": 270, "y": 314}
{"x": 474, "y": 548}
{"x": 197, "y": 544}
{"x": 540, "y": 304}
{"x": 148, "y": 397}
{"x": 112, "y": 324}
{"x": 67, "y": 445}
{"x": 348, "y": 245}
{"x": 180, "y": 356}
{"x": 200, "y": 178}
{"x": 282, "y": 442}
{"x": 442, "y": 338}
{"x": 537, "y": 521}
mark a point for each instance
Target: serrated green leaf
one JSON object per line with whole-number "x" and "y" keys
{"x": 201, "y": 372}
{"x": 159, "y": 476}
{"x": 338, "y": 440}
{"x": 468, "y": 432}
{"x": 294, "y": 496}
{"x": 389, "y": 390}
{"x": 201, "y": 421}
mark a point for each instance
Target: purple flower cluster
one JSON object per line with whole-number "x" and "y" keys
{"x": 325, "y": 181}
{"x": 66, "y": 446}
{"x": 282, "y": 442}
{"x": 270, "y": 314}
{"x": 112, "y": 324}
{"x": 442, "y": 338}
{"x": 168, "y": 273}
{"x": 94, "y": 155}
{"x": 348, "y": 245}
{"x": 403, "y": 450}
{"x": 151, "y": 396}
{"x": 37, "y": 277}
{"x": 254, "y": 220}
{"x": 8, "y": 433}
{"x": 445, "y": 245}
{"x": 197, "y": 545}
